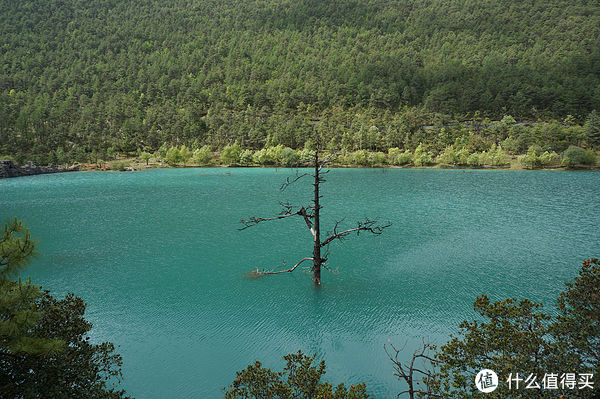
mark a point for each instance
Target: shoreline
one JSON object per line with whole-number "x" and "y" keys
{"x": 136, "y": 167}
{"x": 8, "y": 169}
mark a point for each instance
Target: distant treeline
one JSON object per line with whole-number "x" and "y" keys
{"x": 92, "y": 76}
{"x": 364, "y": 139}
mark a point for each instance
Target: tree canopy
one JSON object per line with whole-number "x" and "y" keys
{"x": 300, "y": 379}
{"x": 45, "y": 350}
{"x": 516, "y": 339}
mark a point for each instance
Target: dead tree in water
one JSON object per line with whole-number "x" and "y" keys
{"x": 312, "y": 218}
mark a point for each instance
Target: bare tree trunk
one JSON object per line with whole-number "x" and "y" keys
{"x": 312, "y": 218}
{"x": 317, "y": 261}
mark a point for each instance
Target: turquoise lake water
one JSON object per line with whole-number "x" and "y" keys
{"x": 159, "y": 260}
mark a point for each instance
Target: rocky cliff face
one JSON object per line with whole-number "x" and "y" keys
{"x": 10, "y": 169}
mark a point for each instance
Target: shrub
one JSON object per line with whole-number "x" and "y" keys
{"x": 288, "y": 157}
{"x": 448, "y": 157}
{"x": 118, "y": 165}
{"x": 397, "y": 157}
{"x": 376, "y": 158}
{"x": 462, "y": 156}
{"x": 161, "y": 153}
{"x": 473, "y": 159}
{"x": 578, "y": 156}
{"x": 184, "y": 154}
{"x": 485, "y": 158}
{"x": 263, "y": 157}
{"x": 246, "y": 157}
{"x": 361, "y": 157}
{"x": 498, "y": 157}
{"x": 307, "y": 154}
{"x": 590, "y": 157}
{"x": 346, "y": 158}
{"x": 549, "y": 159}
{"x": 274, "y": 152}
{"x": 405, "y": 158}
{"x": 393, "y": 154}
{"x": 421, "y": 157}
{"x": 173, "y": 156}
{"x": 202, "y": 156}
{"x": 231, "y": 154}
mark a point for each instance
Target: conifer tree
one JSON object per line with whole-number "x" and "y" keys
{"x": 16, "y": 299}
{"x": 44, "y": 348}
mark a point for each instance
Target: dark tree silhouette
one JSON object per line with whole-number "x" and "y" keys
{"x": 312, "y": 218}
{"x": 417, "y": 373}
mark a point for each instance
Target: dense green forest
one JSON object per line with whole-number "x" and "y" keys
{"x": 91, "y": 78}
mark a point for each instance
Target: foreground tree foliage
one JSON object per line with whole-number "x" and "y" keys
{"x": 577, "y": 327}
{"x": 512, "y": 341}
{"x": 300, "y": 379}
{"x": 515, "y": 336}
{"x": 75, "y": 369}
{"x": 44, "y": 348}
{"x": 18, "y": 315}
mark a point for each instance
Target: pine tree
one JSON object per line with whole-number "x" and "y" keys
{"x": 19, "y": 315}
{"x": 592, "y": 128}
{"x": 44, "y": 348}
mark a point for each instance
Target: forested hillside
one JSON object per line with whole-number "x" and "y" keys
{"x": 88, "y": 76}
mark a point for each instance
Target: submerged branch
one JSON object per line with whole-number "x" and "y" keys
{"x": 260, "y": 273}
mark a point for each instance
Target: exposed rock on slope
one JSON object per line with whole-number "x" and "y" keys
{"x": 10, "y": 169}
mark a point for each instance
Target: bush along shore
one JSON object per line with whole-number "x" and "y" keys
{"x": 234, "y": 155}
{"x": 361, "y": 141}
{"x": 279, "y": 156}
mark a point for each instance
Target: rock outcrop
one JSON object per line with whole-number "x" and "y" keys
{"x": 10, "y": 169}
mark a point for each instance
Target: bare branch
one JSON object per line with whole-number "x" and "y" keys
{"x": 408, "y": 372}
{"x": 366, "y": 225}
{"x": 323, "y": 172}
{"x": 286, "y": 211}
{"x": 289, "y": 181}
{"x": 333, "y": 271}
{"x": 260, "y": 273}
{"x": 254, "y": 220}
